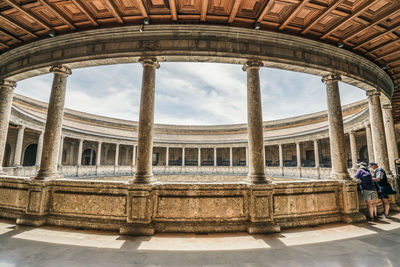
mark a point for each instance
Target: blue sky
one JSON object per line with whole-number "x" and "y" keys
{"x": 189, "y": 93}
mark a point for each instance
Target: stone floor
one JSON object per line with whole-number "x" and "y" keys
{"x": 372, "y": 244}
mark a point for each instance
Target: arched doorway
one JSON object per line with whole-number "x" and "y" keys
{"x": 30, "y": 155}
{"x": 7, "y": 155}
{"x": 88, "y": 157}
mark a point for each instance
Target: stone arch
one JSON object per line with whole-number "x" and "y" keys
{"x": 89, "y": 157}
{"x": 30, "y": 155}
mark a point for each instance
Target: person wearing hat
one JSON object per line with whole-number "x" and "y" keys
{"x": 381, "y": 181}
{"x": 368, "y": 189}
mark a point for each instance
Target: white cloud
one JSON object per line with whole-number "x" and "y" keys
{"x": 189, "y": 93}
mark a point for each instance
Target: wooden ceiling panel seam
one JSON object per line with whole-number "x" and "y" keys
{"x": 85, "y": 11}
{"x": 373, "y": 39}
{"x": 5, "y": 32}
{"x": 324, "y": 13}
{"x": 13, "y": 4}
{"x": 383, "y": 46}
{"x": 234, "y": 10}
{"x": 4, "y": 45}
{"x": 58, "y": 14}
{"x": 142, "y": 8}
{"x": 294, "y": 14}
{"x": 388, "y": 54}
{"x": 172, "y": 6}
{"x": 17, "y": 25}
{"x": 110, "y": 7}
{"x": 203, "y": 12}
{"x": 265, "y": 10}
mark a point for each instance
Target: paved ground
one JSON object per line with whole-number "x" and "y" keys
{"x": 372, "y": 244}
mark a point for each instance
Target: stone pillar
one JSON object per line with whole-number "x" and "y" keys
{"x": 370, "y": 145}
{"x": 134, "y": 155}
{"x": 199, "y": 156}
{"x": 71, "y": 154}
{"x": 144, "y": 174}
{"x": 6, "y": 97}
{"x": 167, "y": 156}
{"x": 98, "y": 158}
{"x": 336, "y": 132}
{"x": 52, "y": 133}
{"x": 183, "y": 156}
{"x": 60, "y": 153}
{"x": 316, "y": 153}
{"x": 39, "y": 149}
{"x": 215, "y": 156}
{"x": 281, "y": 155}
{"x": 353, "y": 148}
{"x": 106, "y": 147}
{"x": 298, "y": 154}
{"x": 378, "y": 131}
{"x": 230, "y": 157}
{"x": 18, "y": 146}
{"x": 393, "y": 152}
{"x": 256, "y": 173}
{"x": 80, "y": 151}
{"x": 116, "y": 159}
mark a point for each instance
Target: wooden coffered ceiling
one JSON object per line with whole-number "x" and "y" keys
{"x": 368, "y": 27}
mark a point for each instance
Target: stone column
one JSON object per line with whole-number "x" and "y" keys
{"x": 144, "y": 174}
{"x": 18, "y": 146}
{"x": 378, "y": 131}
{"x": 183, "y": 156}
{"x": 281, "y": 155}
{"x": 6, "y": 97}
{"x": 353, "y": 148}
{"x": 230, "y": 157}
{"x": 98, "y": 158}
{"x": 52, "y": 133}
{"x": 370, "y": 145}
{"x": 134, "y": 155}
{"x": 116, "y": 159}
{"x": 39, "y": 149}
{"x": 298, "y": 154}
{"x": 393, "y": 152}
{"x": 80, "y": 150}
{"x": 256, "y": 173}
{"x": 199, "y": 156}
{"x": 336, "y": 132}
{"x": 316, "y": 153}
{"x": 167, "y": 156}
{"x": 60, "y": 153}
{"x": 71, "y": 154}
{"x": 215, "y": 156}
{"x": 106, "y": 147}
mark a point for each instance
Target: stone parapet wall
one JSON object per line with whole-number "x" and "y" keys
{"x": 178, "y": 207}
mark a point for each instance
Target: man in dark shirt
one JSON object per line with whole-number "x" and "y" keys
{"x": 381, "y": 182}
{"x": 367, "y": 189}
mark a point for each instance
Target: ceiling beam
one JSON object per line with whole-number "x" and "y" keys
{"x": 318, "y": 18}
{"x": 376, "y": 22}
{"x": 60, "y": 16}
{"x": 234, "y": 11}
{"x": 391, "y": 42}
{"x": 84, "y": 10}
{"x": 265, "y": 11}
{"x": 142, "y": 8}
{"x": 5, "y": 32}
{"x": 28, "y": 14}
{"x": 373, "y": 39}
{"x": 204, "y": 6}
{"x": 293, "y": 14}
{"x": 349, "y": 18}
{"x": 16, "y": 25}
{"x": 112, "y": 10}
{"x": 172, "y": 7}
{"x": 388, "y": 54}
{"x": 4, "y": 45}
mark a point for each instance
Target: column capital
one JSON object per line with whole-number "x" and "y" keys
{"x": 8, "y": 83}
{"x": 332, "y": 77}
{"x": 21, "y": 127}
{"x": 373, "y": 92}
{"x": 252, "y": 64}
{"x": 61, "y": 69}
{"x": 151, "y": 61}
{"x": 387, "y": 106}
{"x": 367, "y": 125}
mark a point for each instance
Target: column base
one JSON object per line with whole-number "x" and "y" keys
{"x": 259, "y": 178}
{"x": 263, "y": 228}
{"x": 143, "y": 179}
{"x": 44, "y": 175}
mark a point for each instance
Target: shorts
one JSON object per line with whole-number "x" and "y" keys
{"x": 382, "y": 195}
{"x": 369, "y": 194}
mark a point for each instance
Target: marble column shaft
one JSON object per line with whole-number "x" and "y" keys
{"x": 390, "y": 132}
{"x": 18, "y": 146}
{"x": 52, "y": 133}
{"x": 370, "y": 144}
{"x": 316, "y": 153}
{"x": 298, "y": 154}
{"x": 199, "y": 156}
{"x": 6, "y": 98}
{"x": 336, "y": 131}
{"x": 60, "y": 153}
{"x": 183, "y": 156}
{"x": 353, "y": 150}
{"x": 215, "y": 156}
{"x": 280, "y": 155}
{"x": 134, "y": 155}
{"x": 116, "y": 158}
{"x": 98, "y": 157}
{"x": 80, "y": 149}
{"x": 39, "y": 149}
{"x": 144, "y": 172}
{"x": 256, "y": 155}
{"x": 167, "y": 156}
{"x": 230, "y": 156}
{"x": 378, "y": 131}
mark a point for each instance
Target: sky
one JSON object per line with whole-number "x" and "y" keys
{"x": 189, "y": 93}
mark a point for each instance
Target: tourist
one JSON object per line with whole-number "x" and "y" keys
{"x": 368, "y": 189}
{"x": 381, "y": 183}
